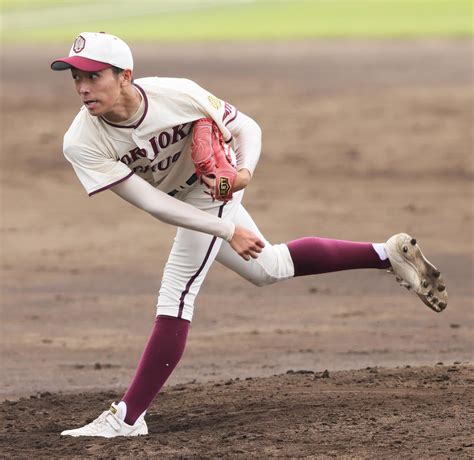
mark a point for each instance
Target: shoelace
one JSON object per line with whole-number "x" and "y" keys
{"x": 106, "y": 418}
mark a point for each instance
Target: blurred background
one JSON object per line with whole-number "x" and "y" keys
{"x": 366, "y": 110}
{"x": 53, "y": 21}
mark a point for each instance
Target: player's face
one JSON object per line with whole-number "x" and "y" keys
{"x": 99, "y": 91}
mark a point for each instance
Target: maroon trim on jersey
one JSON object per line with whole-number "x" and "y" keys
{"x": 111, "y": 185}
{"x": 139, "y": 122}
{"x": 232, "y": 119}
{"x": 193, "y": 278}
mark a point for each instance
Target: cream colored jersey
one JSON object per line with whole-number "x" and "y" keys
{"x": 156, "y": 147}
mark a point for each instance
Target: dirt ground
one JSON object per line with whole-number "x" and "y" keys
{"x": 361, "y": 140}
{"x": 373, "y": 413}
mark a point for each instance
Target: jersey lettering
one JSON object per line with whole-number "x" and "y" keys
{"x": 164, "y": 139}
{"x": 178, "y": 133}
{"x": 135, "y": 154}
{"x": 162, "y": 165}
{"x": 168, "y": 137}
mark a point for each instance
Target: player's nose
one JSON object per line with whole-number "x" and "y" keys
{"x": 82, "y": 87}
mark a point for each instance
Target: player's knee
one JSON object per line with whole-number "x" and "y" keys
{"x": 275, "y": 264}
{"x": 263, "y": 281}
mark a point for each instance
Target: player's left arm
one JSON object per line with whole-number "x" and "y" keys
{"x": 238, "y": 129}
{"x": 246, "y": 136}
{"x": 247, "y": 142}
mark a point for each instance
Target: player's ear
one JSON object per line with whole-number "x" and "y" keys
{"x": 127, "y": 77}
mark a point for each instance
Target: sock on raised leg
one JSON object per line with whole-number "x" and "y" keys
{"x": 381, "y": 250}
{"x": 314, "y": 255}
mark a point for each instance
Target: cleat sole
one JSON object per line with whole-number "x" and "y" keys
{"x": 415, "y": 272}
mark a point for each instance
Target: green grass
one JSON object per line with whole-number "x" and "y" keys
{"x": 192, "y": 20}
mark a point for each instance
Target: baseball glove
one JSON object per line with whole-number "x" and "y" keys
{"x": 211, "y": 158}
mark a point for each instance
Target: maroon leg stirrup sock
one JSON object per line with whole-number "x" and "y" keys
{"x": 321, "y": 255}
{"x": 162, "y": 353}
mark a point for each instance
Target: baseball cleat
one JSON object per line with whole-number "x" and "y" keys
{"x": 414, "y": 272}
{"x": 110, "y": 425}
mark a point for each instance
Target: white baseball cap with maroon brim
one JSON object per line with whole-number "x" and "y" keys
{"x": 96, "y": 51}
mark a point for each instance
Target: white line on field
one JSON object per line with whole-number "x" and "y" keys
{"x": 73, "y": 13}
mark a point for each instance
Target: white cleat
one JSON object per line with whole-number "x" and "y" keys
{"x": 110, "y": 425}
{"x": 415, "y": 272}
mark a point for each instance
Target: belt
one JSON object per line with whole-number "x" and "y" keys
{"x": 190, "y": 181}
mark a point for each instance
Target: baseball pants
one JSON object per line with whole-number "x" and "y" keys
{"x": 194, "y": 252}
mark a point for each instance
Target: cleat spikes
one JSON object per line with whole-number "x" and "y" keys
{"x": 414, "y": 272}
{"x": 405, "y": 285}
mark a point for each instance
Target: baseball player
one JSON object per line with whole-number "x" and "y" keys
{"x": 178, "y": 152}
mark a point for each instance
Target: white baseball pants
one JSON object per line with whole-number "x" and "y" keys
{"x": 194, "y": 252}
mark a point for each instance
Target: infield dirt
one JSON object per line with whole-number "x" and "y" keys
{"x": 361, "y": 140}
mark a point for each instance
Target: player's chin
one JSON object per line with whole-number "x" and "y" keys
{"x": 95, "y": 109}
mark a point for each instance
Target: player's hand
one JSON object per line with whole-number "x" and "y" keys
{"x": 246, "y": 243}
{"x": 241, "y": 180}
{"x": 210, "y": 182}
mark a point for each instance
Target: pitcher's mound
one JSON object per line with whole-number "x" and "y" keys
{"x": 421, "y": 412}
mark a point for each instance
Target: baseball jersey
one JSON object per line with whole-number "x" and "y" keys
{"x": 156, "y": 143}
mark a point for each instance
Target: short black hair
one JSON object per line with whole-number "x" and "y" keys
{"x": 116, "y": 70}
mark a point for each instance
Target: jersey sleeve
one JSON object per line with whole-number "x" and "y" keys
{"x": 95, "y": 170}
{"x": 209, "y": 105}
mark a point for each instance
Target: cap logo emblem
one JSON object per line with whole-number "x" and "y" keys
{"x": 79, "y": 44}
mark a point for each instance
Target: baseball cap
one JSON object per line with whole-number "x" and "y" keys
{"x": 96, "y": 51}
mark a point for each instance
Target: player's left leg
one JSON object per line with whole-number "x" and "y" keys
{"x": 306, "y": 256}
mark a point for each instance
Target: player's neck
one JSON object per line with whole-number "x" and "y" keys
{"x": 126, "y": 106}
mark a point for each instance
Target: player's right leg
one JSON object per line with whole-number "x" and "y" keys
{"x": 189, "y": 261}
{"x": 111, "y": 424}
{"x": 190, "y": 258}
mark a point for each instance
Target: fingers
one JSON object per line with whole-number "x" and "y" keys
{"x": 253, "y": 251}
{"x": 210, "y": 194}
{"x": 208, "y": 181}
{"x": 246, "y": 243}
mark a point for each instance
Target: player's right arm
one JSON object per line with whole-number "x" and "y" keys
{"x": 141, "y": 194}
{"x": 98, "y": 169}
